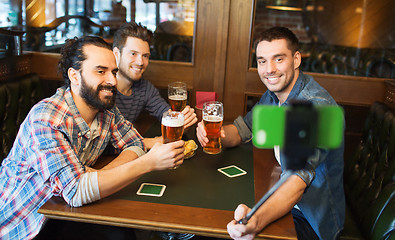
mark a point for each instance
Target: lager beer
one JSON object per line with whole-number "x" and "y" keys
{"x": 212, "y": 125}
{"x": 178, "y": 95}
{"x": 172, "y": 126}
{"x": 212, "y": 120}
{"x": 178, "y": 102}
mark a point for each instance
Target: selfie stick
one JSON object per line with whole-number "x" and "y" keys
{"x": 300, "y": 136}
{"x": 283, "y": 178}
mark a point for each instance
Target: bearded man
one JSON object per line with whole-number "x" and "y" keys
{"x": 63, "y": 136}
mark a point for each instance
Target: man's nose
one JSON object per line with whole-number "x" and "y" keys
{"x": 111, "y": 79}
{"x": 271, "y": 67}
{"x": 139, "y": 60}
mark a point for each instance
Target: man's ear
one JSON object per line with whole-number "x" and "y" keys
{"x": 117, "y": 54}
{"x": 297, "y": 59}
{"x": 74, "y": 76}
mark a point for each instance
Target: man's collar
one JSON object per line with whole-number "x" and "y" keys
{"x": 75, "y": 113}
{"x": 297, "y": 88}
{"x": 137, "y": 83}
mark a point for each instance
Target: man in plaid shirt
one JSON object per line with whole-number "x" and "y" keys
{"x": 63, "y": 136}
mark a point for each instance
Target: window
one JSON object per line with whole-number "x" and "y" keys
{"x": 172, "y": 22}
{"x": 51, "y": 22}
{"x": 337, "y": 37}
{"x": 8, "y": 13}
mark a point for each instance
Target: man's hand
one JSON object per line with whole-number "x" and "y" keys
{"x": 165, "y": 156}
{"x": 202, "y": 134}
{"x": 189, "y": 116}
{"x": 241, "y": 231}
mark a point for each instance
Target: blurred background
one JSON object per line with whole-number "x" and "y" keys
{"x": 354, "y": 37}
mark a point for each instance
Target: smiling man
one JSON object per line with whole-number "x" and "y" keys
{"x": 63, "y": 136}
{"x": 132, "y": 51}
{"x": 314, "y": 194}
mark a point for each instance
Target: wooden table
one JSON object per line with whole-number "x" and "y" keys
{"x": 198, "y": 199}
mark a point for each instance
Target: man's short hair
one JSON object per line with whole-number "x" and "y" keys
{"x": 131, "y": 29}
{"x": 72, "y": 55}
{"x": 276, "y": 33}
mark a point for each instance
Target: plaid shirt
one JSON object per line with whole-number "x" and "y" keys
{"x": 44, "y": 160}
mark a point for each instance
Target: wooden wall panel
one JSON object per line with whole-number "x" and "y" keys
{"x": 46, "y": 65}
{"x": 161, "y": 73}
{"x": 207, "y": 71}
{"x": 15, "y": 66}
{"x": 237, "y": 57}
{"x": 211, "y": 45}
{"x": 352, "y": 90}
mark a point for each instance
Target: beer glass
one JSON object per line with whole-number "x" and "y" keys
{"x": 213, "y": 115}
{"x": 172, "y": 126}
{"x": 178, "y": 95}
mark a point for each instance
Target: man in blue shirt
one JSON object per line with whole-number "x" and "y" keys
{"x": 314, "y": 194}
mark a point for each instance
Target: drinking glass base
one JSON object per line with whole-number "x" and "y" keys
{"x": 212, "y": 152}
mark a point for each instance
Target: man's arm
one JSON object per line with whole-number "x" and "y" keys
{"x": 160, "y": 157}
{"x": 89, "y": 188}
{"x": 280, "y": 203}
{"x": 231, "y": 136}
{"x": 121, "y": 159}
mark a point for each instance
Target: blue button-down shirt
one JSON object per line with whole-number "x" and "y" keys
{"x": 45, "y": 159}
{"x": 323, "y": 202}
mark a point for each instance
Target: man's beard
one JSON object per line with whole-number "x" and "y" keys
{"x": 286, "y": 84}
{"x": 125, "y": 74}
{"x": 91, "y": 96}
{"x": 284, "y": 87}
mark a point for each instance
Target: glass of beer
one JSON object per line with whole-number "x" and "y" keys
{"x": 213, "y": 115}
{"x": 178, "y": 95}
{"x": 172, "y": 126}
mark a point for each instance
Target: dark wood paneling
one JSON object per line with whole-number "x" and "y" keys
{"x": 15, "y": 66}
{"x": 352, "y": 90}
{"x": 390, "y": 93}
{"x": 46, "y": 65}
{"x": 237, "y": 57}
{"x": 211, "y": 45}
{"x": 161, "y": 73}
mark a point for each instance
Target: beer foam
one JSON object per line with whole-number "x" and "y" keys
{"x": 212, "y": 118}
{"x": 178, "y": 97}
{"x": 173, "y": 121}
